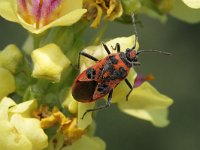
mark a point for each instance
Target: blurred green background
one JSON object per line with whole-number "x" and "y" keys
{"x": 176, "y": 76}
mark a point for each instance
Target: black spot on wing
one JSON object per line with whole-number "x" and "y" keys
{"x": 108, "y": 68}
{"x": 91, "y": 72}
{"x": 84, "y": 90}
{"x": 122, "y": 72}
{"x": 113, "y": 60}
{"x": 103, "y": 88}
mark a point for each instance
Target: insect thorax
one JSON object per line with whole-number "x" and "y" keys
{"x": 115, "y": 68}
{"x": 125, "y": 60}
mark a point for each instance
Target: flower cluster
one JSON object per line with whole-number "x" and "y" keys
{"x": 37, "y": 109}
{"x": 19, "y": 130}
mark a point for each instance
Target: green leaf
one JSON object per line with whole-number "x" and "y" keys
{"x": 185, "y": 13}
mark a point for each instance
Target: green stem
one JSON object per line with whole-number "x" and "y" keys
{"x": 100, "y": 34}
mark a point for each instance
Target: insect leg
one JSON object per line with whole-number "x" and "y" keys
{"x": 136, "y": 63}
{"x": 130, "y": 86}
{"x": 117, "y": 47}
{"x": 101, "y": 107}
{"x": 86, "y": 55}
{"x": 106, "y": 48}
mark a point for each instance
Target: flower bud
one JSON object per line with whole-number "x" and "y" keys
{"x": 49, "y": 62}
{"x": 25, "y": 109}
{"x": 7, "y": 85}
{"x": 10, "y": 58}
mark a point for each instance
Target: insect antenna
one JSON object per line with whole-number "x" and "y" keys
{"x": 157, "y": 51}
{"x": 136, "y": 38}
{"x": 134, "y": 25}
{"x": 135, "y": 30}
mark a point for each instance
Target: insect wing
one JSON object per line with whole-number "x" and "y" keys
{"x": 83, "y": 90}
{"x": 86, "y": 84}
{"x": 101, "y": 90}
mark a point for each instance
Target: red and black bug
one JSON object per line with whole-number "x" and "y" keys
{"x": 100, "y": 79}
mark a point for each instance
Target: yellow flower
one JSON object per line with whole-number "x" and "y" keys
{"x": 94, "y": 12}
{"x": 145, "y": 102}
{"x": 10, "y": 57}
{"x": 7, "y": 85}
{"x": 87, "y": 142}
{"x": 113, "y": 9}
{"x": 96, "y": 8}
{"x": 69, "y": 135}
{"x": 18, "y": 130}
{"x": 195, "y": 4}
{"x": 84, "y": 143}
{"x": 69, "y": 132}
{"x": 37, "y": 16}
{"x": 49, "y": 62}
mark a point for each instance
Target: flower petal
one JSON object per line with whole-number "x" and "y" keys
{"x": 114, "y": 11}
{"x": 71, "y": 104}
{"x": 80, "y": 108}
{"x": 31, "y": 129}
{"x": 86, "y": 143}
{"x": 70, "y": 13}
{"x": 192, "y": 3}
{"x": 125, "y": 42}
{"x": 7, "y": 85}
{"x": 56, "y": 142}
{"x": 5, "y": 103}
{"x": 49, "y": 62}
{"x": 25, "y": 108}
{"x": 68, "y": 6}
{"x": 87, "y": 120}
{"x": 8, "y": 10}
{"x": 11, "y": 139}
{"x": 185, "y": 13}
{"x": 145, "y": 102}
{"x": 65, "y": 20}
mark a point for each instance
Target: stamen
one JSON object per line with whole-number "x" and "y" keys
{"x": 23, "y": 4}
{"x": 38, "y": 12}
